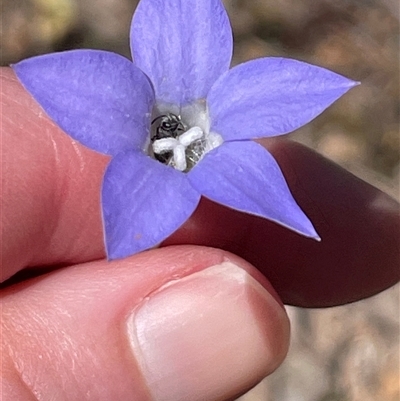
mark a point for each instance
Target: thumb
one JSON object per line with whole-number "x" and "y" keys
{"x": 178, "y": 323}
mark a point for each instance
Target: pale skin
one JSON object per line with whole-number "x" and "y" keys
{"x": 70, "y": 335}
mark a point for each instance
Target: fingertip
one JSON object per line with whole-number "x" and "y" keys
{"x": 194, "y": 338}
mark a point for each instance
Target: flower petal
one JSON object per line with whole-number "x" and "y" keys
{"x": 244, "y": 176}
{"x": 271, "y": 96}
{"x": 143, "y": 203}
{"x": 99, "y": 98}
{"x": 182, "y": 45}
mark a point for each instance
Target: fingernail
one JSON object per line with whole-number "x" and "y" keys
{"x": 209, "y": 335}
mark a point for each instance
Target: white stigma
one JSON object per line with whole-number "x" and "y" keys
{"x": 181, "y": 135}
{"x": 180, "y": 157}
{"x": 164, "y": 145}
{"x": 178, "y": 146}
{"x": 191, "y": 135}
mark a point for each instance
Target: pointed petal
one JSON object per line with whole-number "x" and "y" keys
{"x": 182, "y": 45}
{"x": 99, "y": 98}
{"x": 244, "y": 176}
{"x": 143, "y": 203}
{"x": 271, "y": 96}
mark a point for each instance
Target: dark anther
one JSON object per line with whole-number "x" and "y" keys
{"x": 168, "y": 126}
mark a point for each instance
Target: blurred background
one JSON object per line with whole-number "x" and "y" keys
{"x": 347, "y": 353}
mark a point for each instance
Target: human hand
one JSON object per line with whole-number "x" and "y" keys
{"x": 207, "y": 324}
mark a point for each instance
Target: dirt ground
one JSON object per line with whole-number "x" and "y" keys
{"x": 347, "y": 353}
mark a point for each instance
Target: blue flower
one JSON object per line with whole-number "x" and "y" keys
{"x": 178, "y": 122}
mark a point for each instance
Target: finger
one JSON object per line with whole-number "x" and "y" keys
{"x": 359, "y": 225}
{"x": 179, "y": 323}
{"x": 50, "y": 190}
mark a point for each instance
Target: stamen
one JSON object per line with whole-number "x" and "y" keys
{"x": 195, "y": 152}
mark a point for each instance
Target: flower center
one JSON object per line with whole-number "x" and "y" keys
{"x": 177, "y": 145}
